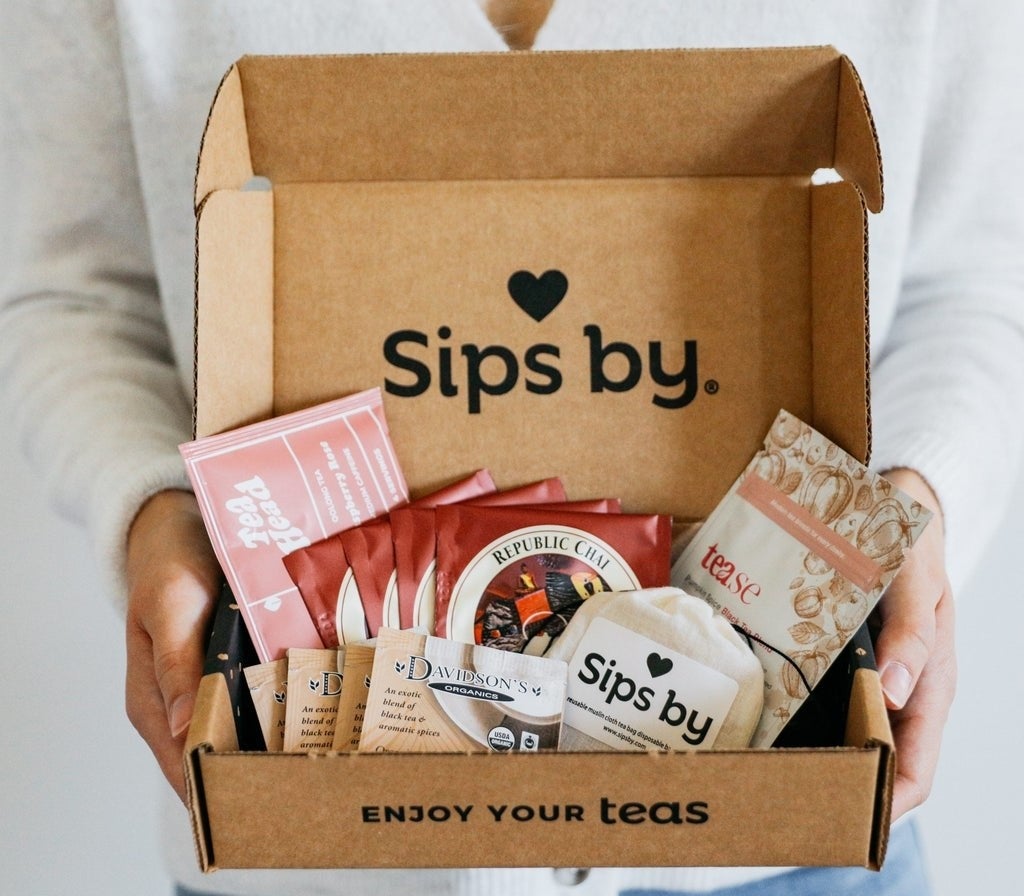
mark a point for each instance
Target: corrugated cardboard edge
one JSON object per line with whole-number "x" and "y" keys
{"x": 224, "y": 159}
{"x": 858, "y": 156}
{"x": 212, "y": 732}
{"x": 213, "y": 713}
{"x": 235, "y": 251}
{"x": 869, "y": 727}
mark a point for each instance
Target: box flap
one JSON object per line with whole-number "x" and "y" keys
{"x": 868, "y": 726}
{"x": 858, "y": 157}
{"x": 224, "y": 160}
{"x": 663, "y": 113}
{"x": 675, "y": 181}
{"x": 235, "y": 257}
{"x": 212, "y": 727}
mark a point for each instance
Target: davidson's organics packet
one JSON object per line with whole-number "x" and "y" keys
{"x": 314, "y": 686}
{"x": 430, "y": 695}
{"x": 352, "y": 702}
{"x": 797, "y": 554}
{"x": 272, "y": 487}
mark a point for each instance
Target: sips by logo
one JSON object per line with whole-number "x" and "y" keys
{"x": 473, "y": 371}
{"x": 630, "y": 692}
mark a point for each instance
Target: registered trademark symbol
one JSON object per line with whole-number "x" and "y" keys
{"x": 711, "y": 387}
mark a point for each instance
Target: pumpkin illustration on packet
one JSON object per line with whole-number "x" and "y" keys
{"x": 797, "y": 554}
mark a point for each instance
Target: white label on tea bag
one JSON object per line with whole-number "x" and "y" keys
{"x": 631, "y": 693}
{"x": 350, "y": 619}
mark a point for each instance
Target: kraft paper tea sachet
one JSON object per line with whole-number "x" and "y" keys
{"x": 358, "y": 665}
{"x": 314, "y": 687}
{"x": 797, "y": 554}
{"x": 272, "y": 487}
{"x": 431, "y": 695}
{"x": 656, "y": 669}
{"x": 268, "y": 686}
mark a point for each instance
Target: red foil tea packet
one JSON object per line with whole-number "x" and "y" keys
{"x": 270, "y": 488}
{"x": 326, "y": 584}
{"x": 413, "y": 534}
{"x": 797, "y": 554}
{"x": 371, "y": 556}
{"x": 331, "y": 587}
{"x": 506, "y": 575}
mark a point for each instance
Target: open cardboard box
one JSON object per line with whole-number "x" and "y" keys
{"x": 709, "y": 283}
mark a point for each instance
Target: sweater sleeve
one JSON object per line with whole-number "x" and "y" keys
{"x": 948, "y": 379}
{"x": 93, "y": 395}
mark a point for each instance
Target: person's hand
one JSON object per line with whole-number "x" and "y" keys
{"x": 915, "y": 653}
{"x": 173, "y": 578}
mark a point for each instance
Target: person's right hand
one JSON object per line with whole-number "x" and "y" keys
{"x": 173, "y": 577}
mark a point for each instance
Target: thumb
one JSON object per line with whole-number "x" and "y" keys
{"x": 908, "y": 608}
{"x": 176, "y": 632}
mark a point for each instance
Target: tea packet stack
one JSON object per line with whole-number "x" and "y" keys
{"x": 796, "y": 556}
{"x": 275, "y": 486}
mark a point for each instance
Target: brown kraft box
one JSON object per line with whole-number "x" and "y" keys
{"x": 613, "y": 267}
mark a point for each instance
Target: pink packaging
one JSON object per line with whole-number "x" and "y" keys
{"x": 269, "y": 488}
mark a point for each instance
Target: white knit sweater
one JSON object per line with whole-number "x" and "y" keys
{"x": 103, "y": 107}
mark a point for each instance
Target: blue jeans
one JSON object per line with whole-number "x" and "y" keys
{"x": 902, "y": 875}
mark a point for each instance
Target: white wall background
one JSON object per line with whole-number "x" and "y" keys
{"x": 79, "y": 797}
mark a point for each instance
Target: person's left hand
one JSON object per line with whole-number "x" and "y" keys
{"x": 915, "y": 653}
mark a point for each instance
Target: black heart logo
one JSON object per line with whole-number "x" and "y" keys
{"x": 658, "y": 665}
{"x": 538, "y": 296}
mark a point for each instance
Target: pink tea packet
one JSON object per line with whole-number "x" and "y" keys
{"x": 272, "y": 487}
{"x": 328, "y": 583}
{"x": 796, "y": 555}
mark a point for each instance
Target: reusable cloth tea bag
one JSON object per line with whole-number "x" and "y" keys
{"x": 656, "y": 669}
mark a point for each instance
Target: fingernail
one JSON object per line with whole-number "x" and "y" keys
{"x": 181, "y": 714}
{"x": 896, "y": 684}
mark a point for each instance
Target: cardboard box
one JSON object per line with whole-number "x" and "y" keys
{"x": 413, "y": 210}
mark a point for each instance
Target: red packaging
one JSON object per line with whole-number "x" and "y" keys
{"x": 273, "y": 487}
{"x": 506, "y": 575}
{"x": 332, "y": 587}
{"x": 371, "y": 556}
{"x": 318, "y": 571}
{"x": 413, "y": 538}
